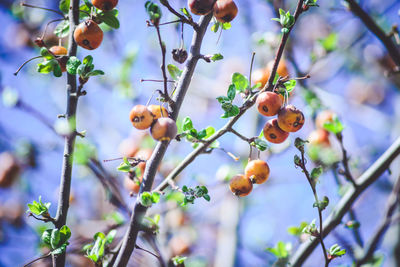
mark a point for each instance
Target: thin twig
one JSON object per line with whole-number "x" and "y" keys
{"x": 375, "y": 29}
{"x": 37, "y": 259}
{"x": 163, "y": 67}
{"x": 181, "y": 17}
{"x": 346, "y": 202}
{"x": 392, "y": 202}
{"x": 312, "y": 185}
{"x": 50, "y": 219}
{"x": 23, "y": 64}
{"x": 43, "y": 8}
{"x": 345, "y": 161}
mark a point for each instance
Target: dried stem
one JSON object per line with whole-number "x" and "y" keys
{"x": 345, "y": 160}
{"x": 43, "y": 8}
{"x": 37, "y": 259}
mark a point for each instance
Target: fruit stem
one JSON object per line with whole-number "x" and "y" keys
{"x": 23, "y": 64}
{"x": 43, "y": 8}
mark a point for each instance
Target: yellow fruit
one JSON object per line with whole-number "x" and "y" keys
{"x": 240, "y": 185}
{"x": 141, "y": 117}
{"x": 257, "y": 171}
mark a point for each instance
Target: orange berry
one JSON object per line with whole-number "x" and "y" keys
{"x": 257, "y": 171}
{"x": 240, "y": 185}
{"x": 164, "y": 129}
{"x": 158, "y": 111}
{"x": 273, "y": 133}
{"x": 323, "y": 117}
{"x": 319, "y": 137}
{"x": 105, "y": 5}
{"x": 290, "y": 119}
{"x": 141, "y": 117}
{"x": 58, "y": 50}
{"x": 282, "y": 69}
{"x": 88, "y": 35}
{"x": 200, "y": 7}
{"x": 268, "y": 103}
{"x": 225, "y": 10}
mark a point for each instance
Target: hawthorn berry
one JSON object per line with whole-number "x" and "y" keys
{"x": 225, "y": 10}
{"x": 141, "y": 117}
{"x": 200, "y": 7}
{"x": 273, "y": 133}
{"x": 58, "y": 50}
{"x": 325, "y": 116}
{"x": 319, "y": 137}
{"x": 88, "y": 35}
{"x": 257, "y": 171}
{"x": 164, "y": 129}
{"x": 105, "y": 5}
{"x": 269, "y": 103}
{"x": 262, "y": 75}
{"x": 240, "y": 185}
{"x": 158, "y": 111}
{"x": 9, "y": 169}
{"x": 290, "y": 119}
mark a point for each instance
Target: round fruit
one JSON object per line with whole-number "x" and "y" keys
{"x": 240, "y": 185}
{"x": 290, "y": 119}
{"x": 200, "y": 7}
{"x": 164, "y": 129}
{"x": 58, "y": 50}
{"x": 319, "y": 137}
{"x": 225, "y": 10}
{"x": 260, "y": 76}
{"x": 273, "y": 133}
{"x": 141, "y": 117}
{"x": 257, "y": 171}
{"x": 268, "y": 103}
{"x": 282, "y": 69}
{"x": 323, "y": 117}
{"x": 9, "y": 169}
{"x": 158, "y": 111}
{"x": 105, "y": 5}
{"x": 88, "y": 35}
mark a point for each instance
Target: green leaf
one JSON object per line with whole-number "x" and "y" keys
{"x": 110, "y": 236}
{"x": 154, "y": 11}
{"x": 55, "y": 238}
{"x": 206, "y": 197}
{"x": 281, "y": 250}
{"x": 59, "y": 250}
{"x": 260, "y": 144}
{"x": 88, "y": 60}
{"x": 84, "y": 152}
{"x": 322, "y": 204}
{"x": 178, "y": 260}
{"x": 72, "y": 65}
{"x": 316, "y": 173}
{"x": 296, "y": 231}
{"x": 146, "y": 199}
{"x": 62, "y": 29}
{"x": 186, "y": 12}
{"x": 217, "y": 57}
{"x": 187, "y": 124}
{"x": 329, "y": 43}
{"x": 155, "y": 197}
{"x": 57, "y": 70}
{"x": 240, "y": 81}
{"x": 335, "y": 126}
{"x": 110, "y": 18}
{"x": 65, "y": 234}
{"x": 226, "y": 25}
{"x": 64, "y": 6}
{"x": 174, "y": 71}
{"x": 45, "y": 53}
{"x": 289, "y": 85}
{"x": 209, "y": 131}
{"x": 215, "y": 27}
{"x": 231, "y": 92}
{"x": 95, "y": 73}
{"x": 223, "y": 99}
{"x": 46, "y": 66}
{"x": 46, "y": 236}
{"x": 336, "y": 251}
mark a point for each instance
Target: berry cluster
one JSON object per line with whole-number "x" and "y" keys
{"x": 162, "y": 128}
{"x": 256, "y": 172}
{"x": 224, "y": 10}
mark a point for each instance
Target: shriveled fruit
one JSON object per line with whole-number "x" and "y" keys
{"x": 325, "y": 116}
{"x": 158, "y": 111}
{"x": 273, "y": 133}
{"x": 225, "y": 10}
{"x": 58, "y": 50}
{"x": 268, "y": 103}
{"x": 240, "y": 185}
{"x": 9, "y": 169}
{"x": 319, "y": 137}
{"x": 105, "y": 5}
{"x": 257, "y": 171}
{"x": 88, "y": 35}
{"x": 164, "y": 129}
{"x": 200, "y": 7}
{"x": 141, "y": 117}
{"x": 290, "y": 119}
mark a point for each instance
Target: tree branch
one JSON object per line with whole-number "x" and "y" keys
{"x": 376, "y": 30}
{"x": 72, "y": 101}
{"x": 392, "y": 202}
{"x": 130, "y": 237}
{"x": 346, "y": 202}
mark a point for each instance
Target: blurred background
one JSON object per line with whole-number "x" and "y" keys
{"x": 351, "y": 74}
